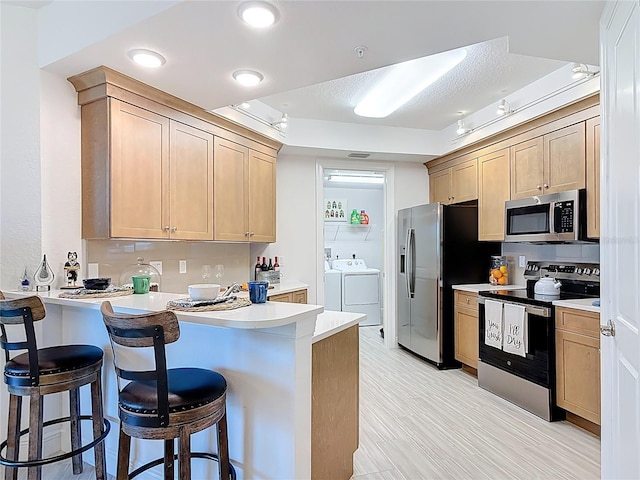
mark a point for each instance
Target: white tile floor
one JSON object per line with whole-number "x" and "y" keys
{"x": 421, "y": 423}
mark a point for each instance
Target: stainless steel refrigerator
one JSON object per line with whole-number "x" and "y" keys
{"x": 437, "y": 247}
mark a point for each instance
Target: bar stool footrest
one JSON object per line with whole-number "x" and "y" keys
{"x": 45, "y": 461}
{"x": 160, "y": 461}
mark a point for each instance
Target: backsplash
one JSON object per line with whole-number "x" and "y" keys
{"x": 116, "y": 256}
{"x": 585, "y": 252}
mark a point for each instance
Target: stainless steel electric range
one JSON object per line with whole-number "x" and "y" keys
{"x": 530, "y": 381}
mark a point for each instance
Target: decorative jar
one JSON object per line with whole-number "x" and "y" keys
{"x": 498, "y": 273}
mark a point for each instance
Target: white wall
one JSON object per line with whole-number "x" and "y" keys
{"x": 364, "y": 242}
{"x": 61, "y": 173}
{"x": 296, "y": 231}
{"x": 20, "y": 174}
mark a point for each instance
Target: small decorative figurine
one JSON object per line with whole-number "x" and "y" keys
{"x": 71, "y": 268}
{"x": 44, "y": 276}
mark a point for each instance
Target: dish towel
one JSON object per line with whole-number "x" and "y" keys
{"x": 493, "y": 323}
{"x": 515, "y": 330}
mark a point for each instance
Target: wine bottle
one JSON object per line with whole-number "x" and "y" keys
{"x": 264, "y": 267}
{"x": 276, "y": 266}
{"x": 256, "y": 269}
{"x": 270, "y": 267}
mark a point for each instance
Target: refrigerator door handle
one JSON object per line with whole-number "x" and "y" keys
{"x": 407, "y": 260}
{"x": 412, "y": 264}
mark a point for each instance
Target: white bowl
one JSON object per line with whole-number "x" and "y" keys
{"x": 204, "y": 291}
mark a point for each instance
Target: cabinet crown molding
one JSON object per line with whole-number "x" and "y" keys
{"x": 102, "y": 81}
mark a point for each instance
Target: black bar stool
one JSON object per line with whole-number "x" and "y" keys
{"x": 39, "y": 372}
{"x": 165, "y": 403}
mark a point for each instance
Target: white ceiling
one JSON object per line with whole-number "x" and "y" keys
{"x": 308, "y": 59}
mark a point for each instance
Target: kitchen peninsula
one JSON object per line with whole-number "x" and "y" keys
{"x": 265, "y": 353}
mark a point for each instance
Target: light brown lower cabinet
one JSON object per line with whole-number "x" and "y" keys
{"x": 578, "y": 365}
{"x": 334, "y": 405}
{"x": 466, "y": 328}
{"x": 297, "y": 296}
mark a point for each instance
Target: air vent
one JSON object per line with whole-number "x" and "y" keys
{"x": 359, "y": 155}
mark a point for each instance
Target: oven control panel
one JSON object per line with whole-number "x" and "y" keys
{"x": 570, "y": 271}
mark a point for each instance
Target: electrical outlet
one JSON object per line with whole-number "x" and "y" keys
{"x": 182, "y": 266}
{"x": 327, "y": 253}
{"x": 522, "y": 261}
{"x": 92, "y": 270}
{"x": 157, "y": 265}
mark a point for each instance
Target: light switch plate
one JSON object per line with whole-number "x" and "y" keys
{"x": 522, "y": 261}
{"x": 92, "y": 270}
{"x": 157, "y": 265}
{"x": 183, "y": 266}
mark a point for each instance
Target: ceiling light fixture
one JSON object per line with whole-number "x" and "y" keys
{"x": 580, "y": 70}
{"x": 258, "y": 14}
{"x": 245, "y": 105}
{"x": 503, "y": 108}
{"x": 356, "y": 178}
{"x": 401, "y": 82}
{"x": 284, "y": 121}
{"x": 146, "y": 58}
{"x": 248, "y": 78}
{"x": 461, "y": 128}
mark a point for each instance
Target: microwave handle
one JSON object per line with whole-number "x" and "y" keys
{"x": 552, "y": 218}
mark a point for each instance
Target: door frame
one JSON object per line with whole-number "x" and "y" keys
{"x": 388, "y": 237}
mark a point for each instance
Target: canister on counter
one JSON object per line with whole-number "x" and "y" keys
{"x": 498, "y": 273}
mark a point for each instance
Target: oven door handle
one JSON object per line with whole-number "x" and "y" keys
{"x": 530, "y": 309}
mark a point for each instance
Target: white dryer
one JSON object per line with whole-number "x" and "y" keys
{"x": 332, "y": 288}
{"x": 360, "y": 289}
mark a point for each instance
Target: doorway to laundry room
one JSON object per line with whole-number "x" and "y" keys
{"x": 354, "y": 244}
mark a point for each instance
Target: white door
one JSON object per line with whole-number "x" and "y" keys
{"x": 620, "y": 239}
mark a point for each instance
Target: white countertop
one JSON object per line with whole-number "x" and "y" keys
{"x": 286, "y": 287}
{"x": 482, "y": 287}
{"x": 266, "y": 315}
{"x": 330, "y": 322}
{"x": 585, "y": 304}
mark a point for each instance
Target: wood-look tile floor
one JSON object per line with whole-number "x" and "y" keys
{"x": 419, "y": 423}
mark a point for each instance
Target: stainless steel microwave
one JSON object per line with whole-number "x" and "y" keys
{"x": 556, "y": 217}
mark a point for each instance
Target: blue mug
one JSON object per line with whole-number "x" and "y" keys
{"x": 258, "y": 292}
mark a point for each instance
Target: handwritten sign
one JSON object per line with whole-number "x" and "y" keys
{"x": 514, "y": 330}
{"x": 493, "y": 324}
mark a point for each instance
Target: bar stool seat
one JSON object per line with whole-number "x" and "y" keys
{"x": 39, "y": 372}
{"x": 163, "y": 403}
{"x": 188, "y": 388}
{"x": 52, "y": 360}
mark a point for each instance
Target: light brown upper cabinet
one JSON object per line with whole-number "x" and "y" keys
{"x": 593, "y": 177}
{"x": 552, "y": 163}
{"x": 148, "y": 166}
{"x": 455, "y": 184}
{"x": 493, "y": 191}
{"x": 144, "y": 175}
{"x": 244, "y": 186}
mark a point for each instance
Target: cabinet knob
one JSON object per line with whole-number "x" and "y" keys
{"x": 449, "y": 198}
{"x": 174, "y": 229}
{"x": 166, "y": 228}
{"x": 546, "y": 186}
{"x": 467, "y": 300}
{"x": 538, "y": 187}
{"x": 251, "y": 234}
{"x": 246, "y": 234}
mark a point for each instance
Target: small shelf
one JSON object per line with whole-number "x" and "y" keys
{"x": 346, "y": 232}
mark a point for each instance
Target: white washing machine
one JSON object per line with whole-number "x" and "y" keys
{"x": 332, "y": 288}
{"x": 360, "y": 289}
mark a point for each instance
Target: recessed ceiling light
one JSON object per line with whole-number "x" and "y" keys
{"x": 245, "y": 105}
{"x": 404, "y": 81}
{"x": 248, "y": 78}
{"x": 146, "y": 58}
{"x": 258, "y": 14}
